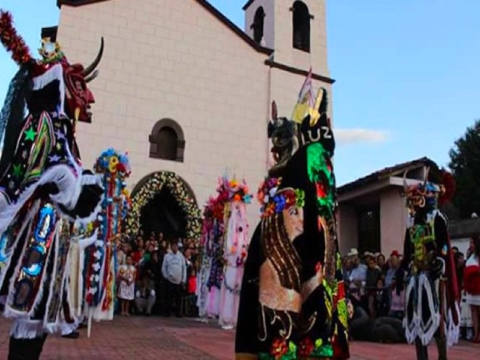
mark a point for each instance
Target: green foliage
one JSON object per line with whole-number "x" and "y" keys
{"x": 465, "y": 167}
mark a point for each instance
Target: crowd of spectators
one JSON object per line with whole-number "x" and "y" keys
{"x": 164, "y": 283}
{"x": 165, "y": 274}
{"x": 376, "y": 289}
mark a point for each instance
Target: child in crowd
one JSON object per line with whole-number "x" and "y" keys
{"x": 192, "y": 281}
{"x": 126, "y": 291}
{"x": 397, "y": 308}
{"x": 381, "y": 299}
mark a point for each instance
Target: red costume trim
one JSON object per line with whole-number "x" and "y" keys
{"x": 471, "y": 277}
{"x": 452, "y": 283}
{"x": 13, "y": 42}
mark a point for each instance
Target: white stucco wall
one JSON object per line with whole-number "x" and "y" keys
{"x": 174, "y": 59}
{"x": 278, "y": 28}
{"x": 347, "y": 228}
{"x": 393, "y": 220}
{"x": 462, "y": 244}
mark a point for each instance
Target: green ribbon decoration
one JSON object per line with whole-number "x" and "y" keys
{"x": 318, "y": 172}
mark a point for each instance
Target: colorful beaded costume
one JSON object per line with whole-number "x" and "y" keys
{"x": 43, "y": 187}
{"x": 293, "y": 303}
{"x": 432, "y": 306}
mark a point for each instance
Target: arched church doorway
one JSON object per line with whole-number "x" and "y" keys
{"x": 164, "y": 202}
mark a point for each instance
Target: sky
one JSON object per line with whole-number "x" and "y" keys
{"x": 407, "y": 74}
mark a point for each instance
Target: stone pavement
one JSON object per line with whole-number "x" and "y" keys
{"x": 141, "y": 338}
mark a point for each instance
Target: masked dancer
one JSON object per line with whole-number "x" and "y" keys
{"x": 432, "y": 308}
{"x": 292, "y": 301}
{"x": 43, "y": 186}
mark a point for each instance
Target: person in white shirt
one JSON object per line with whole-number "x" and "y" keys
{"x": 145, "y": 297}
{"x": 357, "y": 275}
{"x": 174, "y": 270}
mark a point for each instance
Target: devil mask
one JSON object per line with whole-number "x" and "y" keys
{"x": 421, "y": 198}
{"x": 76, "y": 97}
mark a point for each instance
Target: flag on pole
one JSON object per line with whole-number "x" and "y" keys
{"x": 305, "y": 99}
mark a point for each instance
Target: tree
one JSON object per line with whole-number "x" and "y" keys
{"x": 465, "y": 167}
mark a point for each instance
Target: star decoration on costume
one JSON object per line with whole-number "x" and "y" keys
{"x": 24, "y": 154}
{"x": 54, "y": 158}
{"x": 17, "y": 170}
{"x": 59, "y": 135}
{"x": 30, "y": 134}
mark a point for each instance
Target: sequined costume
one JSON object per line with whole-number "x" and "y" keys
{"x": 432, "y": 307}
{"x": 100, "y": 266}
{"x": 43, "y": 187}
{"x": 292, "y": 303}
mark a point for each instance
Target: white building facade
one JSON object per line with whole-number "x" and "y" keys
{"x": 184, "y": 90}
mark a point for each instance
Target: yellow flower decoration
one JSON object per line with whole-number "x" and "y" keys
{"x": 114, "y": 160}
{"x": 112, "y": 168}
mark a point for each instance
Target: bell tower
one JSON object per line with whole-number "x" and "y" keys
{"x": 295, "y": 30}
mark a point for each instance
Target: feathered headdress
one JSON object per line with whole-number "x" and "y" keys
{"x": 448, "y": 188}
{"x": 13, "y": 42}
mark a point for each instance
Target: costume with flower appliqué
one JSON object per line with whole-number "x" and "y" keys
{"x": 292, "y": 281}
{"x": 211, "y": 272}
{"x": 43, "y": 187}
{"x": 209, "y": 225}
{"x": 224, "y": 249}
{"x": 432, "y": 299}
{"x": 235, "y": 196}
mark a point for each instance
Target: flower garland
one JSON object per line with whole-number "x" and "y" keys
{"x": 178, "y": 189}
{"x": 13, "y": 42}
{"x": 274, "y": 201}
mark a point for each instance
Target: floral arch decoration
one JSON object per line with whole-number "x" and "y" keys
{"x": 151, "y": 186}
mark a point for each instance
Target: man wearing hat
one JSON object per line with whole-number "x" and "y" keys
{"x": 357, "y": 275}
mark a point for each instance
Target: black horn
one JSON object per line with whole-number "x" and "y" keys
{"x": 274, "y": 111}
{"x": 89, "y": 69}
{"x": 92, "y": 76}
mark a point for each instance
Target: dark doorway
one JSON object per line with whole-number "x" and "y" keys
{"x": 163, "y": 214}
{"x": 369, "y": 233}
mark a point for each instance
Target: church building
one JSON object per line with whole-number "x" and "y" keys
{"x": 188, "y": 93}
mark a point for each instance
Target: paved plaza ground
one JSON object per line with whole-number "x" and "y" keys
{"x": 141, "y": 338}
